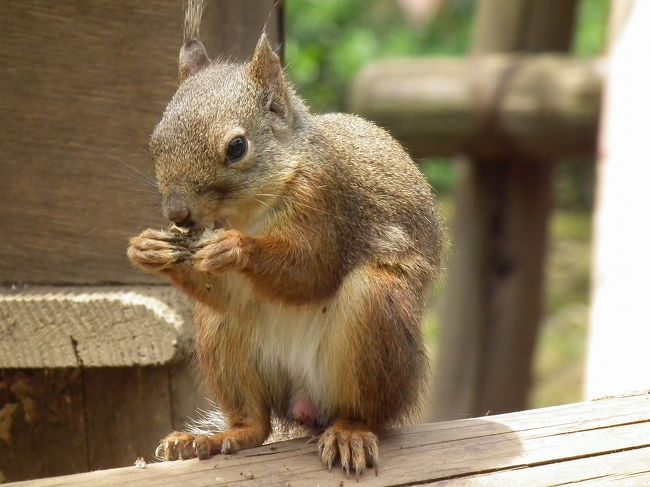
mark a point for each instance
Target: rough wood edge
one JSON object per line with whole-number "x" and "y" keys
{"x": 74, "y": 326}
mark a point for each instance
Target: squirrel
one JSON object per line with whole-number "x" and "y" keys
{"x": 308, "y": 244}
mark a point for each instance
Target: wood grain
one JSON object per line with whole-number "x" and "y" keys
{"x": 127, "y": 412}
{"x": 189, "y": 399}
{"x": 83, "y": 326}
{"x": 605, "y": 439}
{"x": 83, "y": 84}
{"x": 73, "y": 420}
{"x": 40, "y": 412}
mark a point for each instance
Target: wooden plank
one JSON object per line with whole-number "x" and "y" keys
{"x": 546, "y": 105}
{"x": 494, "y": 302}
{"x": 632, "y": 467}
{"x": 41, "y": 411}
{"x": 188, "y": 397}
{"x": 104, "y": 417}
{"x": 83, "y": 85}
{"x": 548, "y": 443}
{"x": 83, "y": 326}
{"x": 127, "y": 412}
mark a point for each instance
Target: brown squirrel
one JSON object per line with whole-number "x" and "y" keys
{"x": 309, "y": 243}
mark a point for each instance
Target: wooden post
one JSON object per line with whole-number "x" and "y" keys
{"x": 620, "y": 319}
{"x": 494, "y": 302}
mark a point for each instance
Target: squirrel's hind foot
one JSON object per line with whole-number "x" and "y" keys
{"x": 353, "y": 444}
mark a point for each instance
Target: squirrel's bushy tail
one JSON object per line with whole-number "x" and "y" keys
{"x": 193, "y": 13}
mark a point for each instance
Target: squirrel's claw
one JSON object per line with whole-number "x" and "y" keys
{"x": 356, "y": 448}
{"x": 313, "y": 439}
{"x": 182, "y": 446}
{"x": 219, "y": 251}
{"x": 155, "y": 251}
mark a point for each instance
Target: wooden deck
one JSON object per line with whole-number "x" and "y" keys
{"x": 588, "y": 443}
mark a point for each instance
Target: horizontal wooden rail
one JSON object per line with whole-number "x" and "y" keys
{"x": 542, "y": 106}
{"x": 604, "y": 440}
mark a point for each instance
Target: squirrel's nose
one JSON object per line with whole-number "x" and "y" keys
{"x": 180, "y": 216}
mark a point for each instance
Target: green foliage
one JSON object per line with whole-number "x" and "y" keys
{"x": 574, "y": 184}
{"x": 591, "y": 31}
{"x": 440, "y": 174}
{"x": 559, "y": 365}
{"x": 328, "y": 42}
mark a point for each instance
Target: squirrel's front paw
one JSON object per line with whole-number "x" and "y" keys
{"x": 157, "y": 250}
{"x": 220, "y": 250}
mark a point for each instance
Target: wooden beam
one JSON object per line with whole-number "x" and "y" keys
{"x": 542, "y": 106}
{"x": 81, "y": 326}
{"x": 494, "y": 302}
{"x": 577, "y": 443}
{"x": 83, "y": 85}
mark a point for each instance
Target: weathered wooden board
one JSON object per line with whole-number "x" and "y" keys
{"x": 187, "y": 394}
{"x": 593, "y": 441}
{"x": 83, "y": 84}
{"x": 42, "y": 427}
{"x": 128, "y": 411}
{"x": 82, "y": 326}
{"x": 592, "y": 471}
{"x": 72, "y": 420}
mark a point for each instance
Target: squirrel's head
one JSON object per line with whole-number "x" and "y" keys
{"x": 223, "y": 149}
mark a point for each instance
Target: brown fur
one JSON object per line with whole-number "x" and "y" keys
{"x": 313, "y": 289}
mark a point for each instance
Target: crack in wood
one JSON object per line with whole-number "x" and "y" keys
{"x": 75, "y": 349}
{"x": 573, "y": 482}
{"x": 595, "y": 428}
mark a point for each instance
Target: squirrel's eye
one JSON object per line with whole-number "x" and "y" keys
{"x": 236, "y": 149}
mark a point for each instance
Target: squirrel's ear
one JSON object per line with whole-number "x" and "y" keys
{"x": 192, "y": 59}
{"x": 266, "y": 69}
{"x": 265, "y": 66}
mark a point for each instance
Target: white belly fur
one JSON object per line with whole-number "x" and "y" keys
{"x": 287, "y": 339}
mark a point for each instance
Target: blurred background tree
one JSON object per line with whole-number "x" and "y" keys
{"x": 328, "y": 42}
